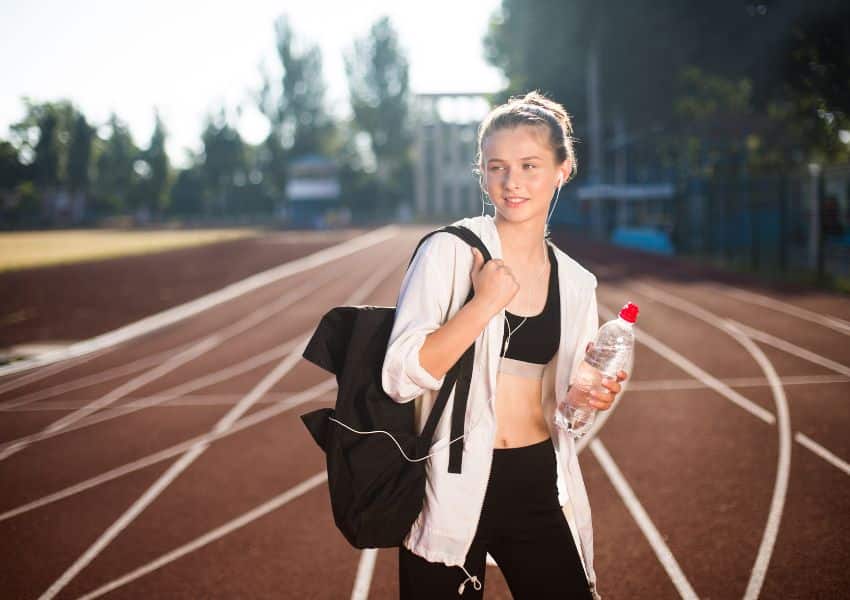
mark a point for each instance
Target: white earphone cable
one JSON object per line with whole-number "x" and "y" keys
{"x": 406, "y": 457}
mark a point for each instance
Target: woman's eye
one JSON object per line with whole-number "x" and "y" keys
{"x": 495, "y": 168}
{"x": 530, "y": 165}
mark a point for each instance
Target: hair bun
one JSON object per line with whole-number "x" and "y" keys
{"x": 535, "y": 98}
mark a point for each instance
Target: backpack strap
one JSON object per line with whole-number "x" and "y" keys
{"x": 460, "y": 374}
{"x": 463, "y": 233}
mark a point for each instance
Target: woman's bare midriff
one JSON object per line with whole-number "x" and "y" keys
{"x": 519, "y": 408}
{"x": 519, "y": 412}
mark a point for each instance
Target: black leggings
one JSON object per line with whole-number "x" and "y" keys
{"x": 521, "y": 526}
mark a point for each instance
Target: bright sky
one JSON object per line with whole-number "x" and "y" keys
{"x": 187, "y": 57}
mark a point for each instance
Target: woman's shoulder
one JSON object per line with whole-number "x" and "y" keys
{"x": 569, "y": 269}
{"x": 444, "y": 245}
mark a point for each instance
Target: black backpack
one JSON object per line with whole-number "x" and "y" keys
{"x": 375, "y": 459}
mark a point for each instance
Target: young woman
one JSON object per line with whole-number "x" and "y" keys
{"x": 520, "y": 495}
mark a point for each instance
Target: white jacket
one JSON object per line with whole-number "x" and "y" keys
{"x": 434, "y": 289}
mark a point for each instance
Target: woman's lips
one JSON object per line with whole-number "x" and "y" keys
{"x": 515, "y": 201}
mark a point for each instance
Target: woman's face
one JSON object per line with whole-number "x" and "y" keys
{"x": 520, "y": 172}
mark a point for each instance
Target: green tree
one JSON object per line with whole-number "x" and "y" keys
{"x": 43, "y": 136}
{"x": 154, "y": 171}
{"x": 79, "y": 165}
{"x": 79, "y": 155}
{"x": 647, "y": 52}
{"x": 116, "y": 181}
{"x": 18, "y": 203}
{"x": 299, "y": 122}
{"x": 378, "y": 83}
{"x": 815, "y": 64}
{"x": 187, "y": 193}
{"x": 300, "y": 117}
{"x": 46, "y": 139}
{"x": 12, "y": 171}
{"x": 223, "y": 165}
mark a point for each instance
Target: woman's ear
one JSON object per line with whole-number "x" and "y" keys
{"x": 566, "y": 170}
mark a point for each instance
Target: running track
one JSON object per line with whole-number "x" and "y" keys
{"x": 174, "y": 465}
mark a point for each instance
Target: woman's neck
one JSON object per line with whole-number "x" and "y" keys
{"x": 522, "y": 242}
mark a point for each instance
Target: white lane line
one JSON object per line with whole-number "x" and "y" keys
{"x": 161, "y": 400}
{"x": 709, "y": 380}
{"x": 184, "y": 311}
{"x": 670, "y": 299}
{"x": 790, "y": 348}
{"x": 168, "y": 366}
{"x": 741, "y": 332}
{"x": 260, "y": 416}
{"x": 677, "y": 359}
{"x": 229, "y": 527}
{"x": 783, "y": 468}
{"x": 783, "y": 463}
{"x": 656, "y": 541}
{"x": 662, "y": 385}
{"x": 118, "y": 371}
{"x": 825, "y": 454}
{"x": 93, "y": 379}
{"x": 242, "y": 324}
{"x": 172, "y": 473}
{"x": 34, "y": 376}
{"x": 834, "y": 323}
{"x": 665, "y": 297}
{"x": 78, "y": 419}
{"x": 14, "y": 446}
{"x": 187, "y": 459}
{"x": 365, "y": 568}
{"x": 175, "y": 392}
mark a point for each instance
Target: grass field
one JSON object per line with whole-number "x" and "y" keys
{"x": 26, "y": 250}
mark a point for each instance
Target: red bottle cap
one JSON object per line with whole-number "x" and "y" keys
{"x": 629, "y": 312}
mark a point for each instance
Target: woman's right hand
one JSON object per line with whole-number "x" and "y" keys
{"x": 494, "y": 283}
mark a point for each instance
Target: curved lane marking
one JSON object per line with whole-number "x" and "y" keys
{"x": 783, "y": 462}
{"x": 783, "y": 470}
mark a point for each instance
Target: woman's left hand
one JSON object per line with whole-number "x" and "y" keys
{"x": 603, "y": 399}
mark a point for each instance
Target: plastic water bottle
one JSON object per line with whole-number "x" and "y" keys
{"x": 610, "y": 352}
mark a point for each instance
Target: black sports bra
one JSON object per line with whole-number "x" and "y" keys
{"x": 537, "y": 340}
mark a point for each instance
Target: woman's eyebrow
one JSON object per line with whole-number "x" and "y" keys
{"x": 523, "y": 158}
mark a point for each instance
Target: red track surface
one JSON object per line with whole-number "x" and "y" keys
{"x": 704, "y": 471}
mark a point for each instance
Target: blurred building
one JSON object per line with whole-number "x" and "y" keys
{"x": 446, "y": 126}
{"x": 313, "y": 194}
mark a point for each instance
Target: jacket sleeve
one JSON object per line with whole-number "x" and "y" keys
{"x": 422, "y": 307}
{"x": 589, "y": 327}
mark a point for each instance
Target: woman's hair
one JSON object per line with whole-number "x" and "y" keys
{"x": 536, "y": 110}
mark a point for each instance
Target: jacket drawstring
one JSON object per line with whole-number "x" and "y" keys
{"x": 474, "y": 579}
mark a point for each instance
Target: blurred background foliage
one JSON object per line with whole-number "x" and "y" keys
{"x": 714, "y": 87}
{"x": 774, "y": 75}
